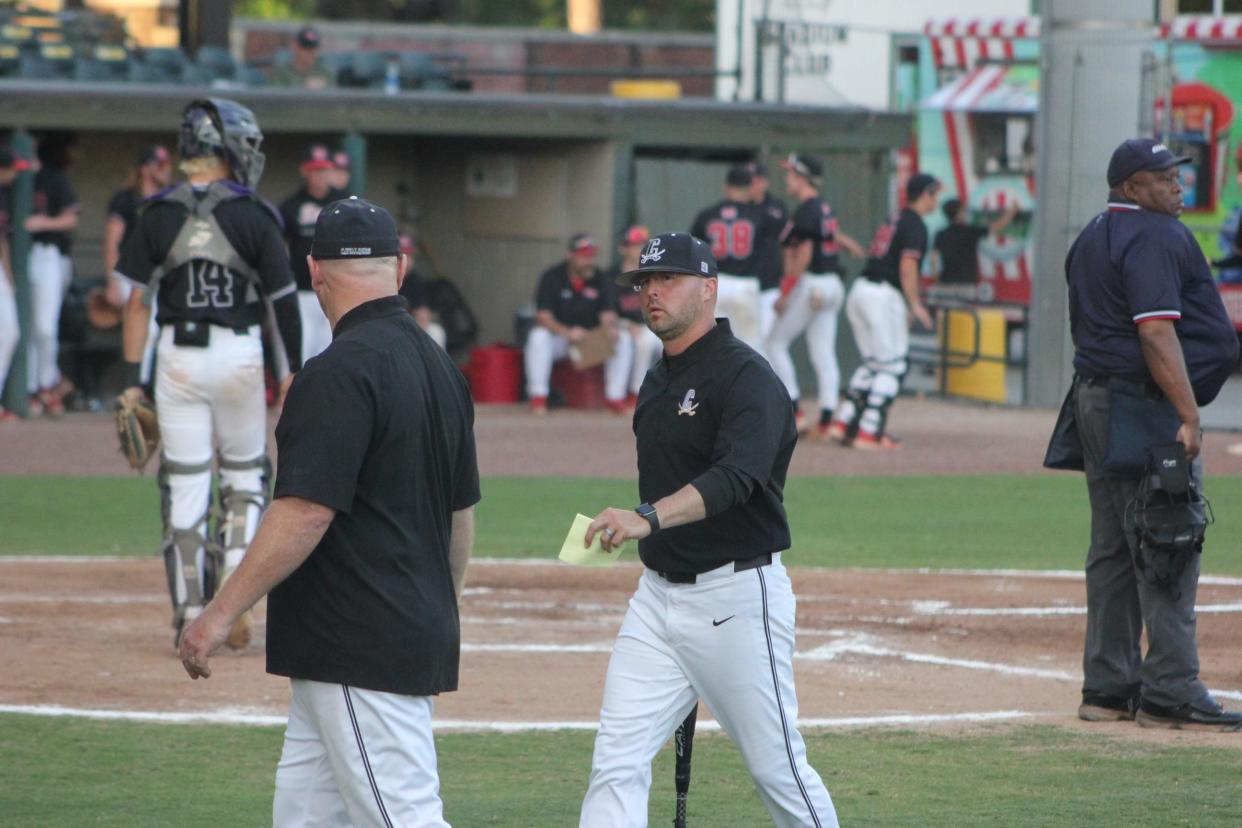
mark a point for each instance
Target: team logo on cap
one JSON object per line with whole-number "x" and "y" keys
{"x": 1158, "y": 148}
{"x": 653, "y": 253}
{"x": 687, "y": 404}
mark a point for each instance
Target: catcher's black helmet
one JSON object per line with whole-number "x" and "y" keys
{"x": 226, "y": 129}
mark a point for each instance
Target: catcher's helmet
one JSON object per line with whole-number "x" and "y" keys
{"x": 224, "y": 128}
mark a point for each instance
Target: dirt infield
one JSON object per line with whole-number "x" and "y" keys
{"x": 902, "y": 648}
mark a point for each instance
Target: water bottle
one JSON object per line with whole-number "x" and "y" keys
{"x": 392, "y": 78}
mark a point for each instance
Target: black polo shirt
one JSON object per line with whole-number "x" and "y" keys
{"x": 717, "y": 417}
{"x": 574, "y": 302}
{"x": 772, "y": 255}
{"x": 814, "y": 221}
{"x": 299, "y": 213}
{"x": 903, "y": 236}
{"x": 378, "y": 427}
{"x": 1131, "y": 265}
{"x": 958, "y": 246}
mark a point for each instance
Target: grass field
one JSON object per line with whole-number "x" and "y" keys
{"x": 1028, "y": 522}
{"x": 69, "y": 773}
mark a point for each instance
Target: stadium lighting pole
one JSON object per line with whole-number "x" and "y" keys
{"x": 1091, "y": 71}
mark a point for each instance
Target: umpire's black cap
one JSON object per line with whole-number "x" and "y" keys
{"x": 354, "y": 228}
{"x": 672, "y": 253}
{"x": 1139, "y": 154}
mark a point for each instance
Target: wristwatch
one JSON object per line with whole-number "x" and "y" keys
{"x": 648, "y": 513}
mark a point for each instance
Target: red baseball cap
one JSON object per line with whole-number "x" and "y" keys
{"x": 583, "y": 244}
{"x": 317, "y": 158}
{"x": 10, "y": 160}
{"x": 405, "y": 243}
{"x": 635, "y": 234}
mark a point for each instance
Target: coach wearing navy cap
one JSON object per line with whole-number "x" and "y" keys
{"x": 364, "y": 549}
{"x": 713, "y": 616}
{"x": 1151, "y": 334}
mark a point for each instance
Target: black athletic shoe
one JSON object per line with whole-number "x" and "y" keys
{"x": 1204, "y": 714}
{"x": 1098, "y": 707}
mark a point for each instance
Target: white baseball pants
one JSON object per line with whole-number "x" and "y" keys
{"x": 201, "y": 393}
{"x": 647, "y": 349}
{"x": 728, "y": 640}
{"x": 316, "y": 330}
{"x": 813, "y": 305}
{"x": 737, "y": 299}
{"x": 357, "y": 758}
{"x": 10, "y": 333}
{"x": 544, "y": 348}
{"x": 49, "y": 272}
{"x": 767, "y": 316}
{"x": 877, "y": 312}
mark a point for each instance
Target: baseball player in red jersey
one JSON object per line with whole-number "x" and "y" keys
{"x": 738, "y": 232}
{"x": 811, "y": 291}
{"x": 212, "y": 252}
{"x": 881, "y": 305}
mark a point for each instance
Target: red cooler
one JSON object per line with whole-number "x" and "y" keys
{"x": 495, "y": 374}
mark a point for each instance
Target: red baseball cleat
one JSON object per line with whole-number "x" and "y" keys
{"x": 870, "y": 442}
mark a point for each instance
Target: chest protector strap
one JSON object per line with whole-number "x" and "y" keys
{"x": 201, "y": 237}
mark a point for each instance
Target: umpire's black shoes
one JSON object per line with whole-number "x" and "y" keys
{"x": 1098, "y": 707}
{"x": 1204, "y": 714}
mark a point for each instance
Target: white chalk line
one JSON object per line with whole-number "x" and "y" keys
{"x": 1057, "y": 574}
{"x": 251, "y": 719}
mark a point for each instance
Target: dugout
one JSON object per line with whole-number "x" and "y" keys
{"x": 493, "y": 184}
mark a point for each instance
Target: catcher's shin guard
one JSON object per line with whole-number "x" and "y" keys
{"x": 186, "y": 564}
{"x": 243, "y": 497}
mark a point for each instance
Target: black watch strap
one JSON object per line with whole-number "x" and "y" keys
{"x": 648, "y": 513}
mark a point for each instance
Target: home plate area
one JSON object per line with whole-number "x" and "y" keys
{"x": 904, "y": 648}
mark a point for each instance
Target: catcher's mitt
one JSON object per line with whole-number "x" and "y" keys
{"x": 136, "y": 427}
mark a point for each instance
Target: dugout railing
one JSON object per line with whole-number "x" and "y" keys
{"x": 959, "y": 320}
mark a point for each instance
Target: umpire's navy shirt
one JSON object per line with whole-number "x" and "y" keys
{"x": 1131, "y": 265}
{"x": 379, "y": 427}
{"x": 717, "y": 417}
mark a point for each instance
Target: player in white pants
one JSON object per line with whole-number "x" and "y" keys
{"x": 771, "y": 253}
{"x": 811, "y": 291}
{"x": 573, "y": 298}
{"x": 877, "y": 308}
{"x": 646, "y": 345}
{"x": 211, "y": 251}
{"x": 10, "y": 333}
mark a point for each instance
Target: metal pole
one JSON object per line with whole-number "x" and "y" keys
{"x": 355, "y": 146}
{"x": 1091, "y": 68}
{"x": 22, "y": 195}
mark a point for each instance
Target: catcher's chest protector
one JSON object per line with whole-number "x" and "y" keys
{"x": 201, "y": 237}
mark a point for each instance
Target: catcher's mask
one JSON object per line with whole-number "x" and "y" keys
{"x": 228, "y": 130}
{"x": 1169, "y": 516}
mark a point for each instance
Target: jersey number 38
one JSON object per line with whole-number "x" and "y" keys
{"x": 731, "y": 239}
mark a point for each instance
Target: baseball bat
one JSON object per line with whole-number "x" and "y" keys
{"x": 683, "y": 743}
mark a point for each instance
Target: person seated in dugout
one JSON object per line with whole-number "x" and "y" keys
{"x": 572, "y": 301}
{"x": 414, "y": 291}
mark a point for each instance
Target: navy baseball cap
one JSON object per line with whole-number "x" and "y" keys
{"x": 920, "y": 183}
{"x": 154, "y": 154}
{"x": 1139, "y": 154}
{"x": 308, "y": 37}
{"x": 354, "y": 228}
{"x": 672, "y": 253}
{"x": 739, "y": 176}
{"x": 758, "y": 169}
{"x": 807, "y": 166}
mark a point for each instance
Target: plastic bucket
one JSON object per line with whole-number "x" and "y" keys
{"x": 495, "y": 374}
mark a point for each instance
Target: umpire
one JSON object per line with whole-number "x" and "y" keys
{"x": 713, "y": 616}
{"x": 1147, "y": 323}
{"x": 364, "y": 549}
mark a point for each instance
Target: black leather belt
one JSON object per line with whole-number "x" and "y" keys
{"x": 738, "y": 566}
{"x": 1133, "y": 387}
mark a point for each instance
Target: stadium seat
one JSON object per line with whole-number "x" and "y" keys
{"x": 363, "y": 70}
{"x": 103, "y": 63}
{"x": 51, "y": 61}
{"x": 10, "y": 60}
{"x": 251, "y": 76}
{"x": 419, "y": 71}
{"x": 158, "y": 66}
{"x": 216, "y": 63}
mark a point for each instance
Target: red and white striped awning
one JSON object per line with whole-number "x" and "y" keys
{"x": 961, "y": 42}
{"x": 1203, "y": 27}
{"x": 989, "y": 88}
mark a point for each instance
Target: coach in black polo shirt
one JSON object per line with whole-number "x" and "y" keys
{"x": 365, "y": 546}
{"x": 713, "y": 617}
{"x": 1146, "y": 320}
